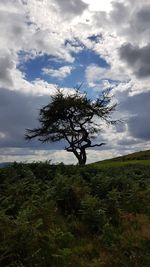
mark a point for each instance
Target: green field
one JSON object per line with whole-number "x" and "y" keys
{"x": 59, "y": 215}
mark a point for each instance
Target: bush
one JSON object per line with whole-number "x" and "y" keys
{"x": 68, "y": 193}
{"x": 93, "y": 214}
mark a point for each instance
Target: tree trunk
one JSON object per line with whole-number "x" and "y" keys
{"x": 82, "y": 157}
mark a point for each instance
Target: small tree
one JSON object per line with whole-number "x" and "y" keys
{"x": 72, "y": 117}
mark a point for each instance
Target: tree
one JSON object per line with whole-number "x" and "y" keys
{"x": 73, "y": 117}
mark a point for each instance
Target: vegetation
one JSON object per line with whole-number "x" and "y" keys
{"x": 72, "y": 118}
{"x": 95, "y": 215}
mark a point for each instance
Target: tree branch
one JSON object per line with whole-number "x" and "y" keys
{"x": 101, "y": 144}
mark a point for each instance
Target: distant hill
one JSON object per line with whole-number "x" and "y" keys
{"x": 141, "y": 155}
{"x": 5, "y": 164}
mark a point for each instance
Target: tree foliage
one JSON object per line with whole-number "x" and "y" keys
{"x": 73, "y": 118}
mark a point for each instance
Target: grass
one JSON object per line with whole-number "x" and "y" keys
{"x": 137, "y": 158}
{"x": 107, "y": 164}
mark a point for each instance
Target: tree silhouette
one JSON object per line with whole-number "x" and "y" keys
{"x": 74, "y": 118}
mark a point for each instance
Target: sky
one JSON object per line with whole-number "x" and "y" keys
{"x": 50, "y": 43}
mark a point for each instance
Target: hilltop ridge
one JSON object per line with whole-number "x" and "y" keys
{"x": 141, "y": 157}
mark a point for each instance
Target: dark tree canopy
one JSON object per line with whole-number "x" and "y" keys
{"x": 73, "y": 117}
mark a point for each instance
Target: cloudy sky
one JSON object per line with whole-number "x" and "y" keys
{"x": 45, "y": 43}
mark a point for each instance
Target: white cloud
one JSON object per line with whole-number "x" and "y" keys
{"x": 43, "y": 27}
{"x": 36, "y": 87}
{"x": 94, "y": 74}
{"x": 29, "y": 155}
{"x": 60, "y": 73}
{"x": 97, "y": 5}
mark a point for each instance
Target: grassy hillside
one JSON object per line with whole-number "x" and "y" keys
{"x": 60, "y": 216}
{"x": 142, "y": 157}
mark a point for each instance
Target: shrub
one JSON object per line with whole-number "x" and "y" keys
{"x": 93, "y": 214}
{"x": 64, "y": 193}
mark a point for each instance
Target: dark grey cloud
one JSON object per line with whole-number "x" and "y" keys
{"x": 71, "y": 7}
{"x": 138, "y": 108}
{"x": 138, "y": 58}
{"x": 140, "y": 23}
{"x": 138, "y": 15}
{"x": 139, "y": 127}
{"x": 120, "y": 127}
{"x": 6, "y": 65}
{"x": 132, "y": 19}
{"x": 119, "y": 12}
{"x": 17, "y": 113}
{"x": 128, "y": 142}
{"x": 128, "y": 18}
{"x": 144, "y": 15}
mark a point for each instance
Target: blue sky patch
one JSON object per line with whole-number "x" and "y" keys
{"x": 87, "y": 57}
{"x": 33, "y": 67}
